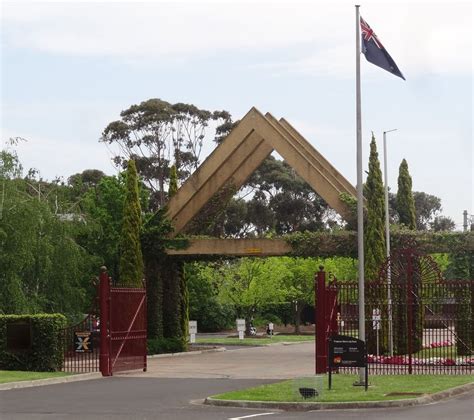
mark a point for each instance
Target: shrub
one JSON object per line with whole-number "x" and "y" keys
{"x": 46, "y": 351}
{"x": 165, "y": 345}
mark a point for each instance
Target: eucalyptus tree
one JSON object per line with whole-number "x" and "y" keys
{"x": 158, "y": 134}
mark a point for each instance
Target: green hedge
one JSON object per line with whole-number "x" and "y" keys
{"x": 166, "y": 345}
{"x": 46, "y": 352}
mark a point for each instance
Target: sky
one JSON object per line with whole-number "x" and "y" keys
{"x": 70, "y": 68}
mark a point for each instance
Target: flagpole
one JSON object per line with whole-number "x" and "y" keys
{"x": 360, "y": 196}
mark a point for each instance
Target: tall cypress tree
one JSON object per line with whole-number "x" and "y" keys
{"x": 131, "y": 260}
{"x": 173, "y": 188}
{"x": 405, "y": 201}
{"x": 175, "y": 294}
{"x": 374, "y": 240}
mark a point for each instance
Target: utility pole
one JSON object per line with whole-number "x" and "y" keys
{"x": 387, "y": 239}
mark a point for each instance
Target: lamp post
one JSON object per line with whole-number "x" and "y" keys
{"x": 387, "y": 239}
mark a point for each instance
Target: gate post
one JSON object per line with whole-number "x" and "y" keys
{"x": 331, "y": 310}
{"x": 409, "y": 287}
{"x": 320, "y": 321}
{"x": 104, "y": 300}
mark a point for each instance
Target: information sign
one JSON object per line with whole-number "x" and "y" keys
{"x": 240, "y": 328}
{"x": 346, "y": 351}
{"x": 83, "y": 342}
{"x": 376, "y": 318}
{"x": 193, "y": 327}
{"x": 240, "y": 324}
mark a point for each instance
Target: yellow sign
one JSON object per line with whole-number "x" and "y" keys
{"x": 253, "y": 250}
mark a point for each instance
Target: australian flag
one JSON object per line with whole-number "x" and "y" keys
{"x": 375, "y": 52}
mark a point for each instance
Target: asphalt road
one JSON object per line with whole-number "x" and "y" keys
{"x": 174, "y": 388}
{"x": 179, "y": 399}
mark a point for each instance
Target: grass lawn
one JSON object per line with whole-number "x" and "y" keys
{"x": 343, "y": 389}
{"x": 15, "y": 376}
{"x": 252, "y": 341}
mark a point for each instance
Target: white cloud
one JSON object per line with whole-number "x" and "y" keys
{"x": 57, "y": 157}
{"x": 435, "y": 38}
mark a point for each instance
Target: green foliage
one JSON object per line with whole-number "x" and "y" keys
{"x": 405, "y": 200}
{"x": 374, "y": 240}
{"x": 202, "y": 280}
{"x": 344, "y": 243}
{"x": 46, "y": 353}
{"x": 443, "y": 224}
{"x": 461, "y": 264}
{"x": 283, "y": 202}
{"x": 43, "y": 269}
{"x": 267, "y": 289}
{"x": 344, "y": 391}
{"x": 427, "y": 208}
{"x": 249, "y": 284}
{"x": 172, "y": 271}
{"x": 165, "y": 345}
{"x": 18, "y": 375}
{"x": 159, "y": 273}
{"x": 153, "y": 131}
{"x": 441, "y": 260}
{"x": 461, "y": 267}
{"x": 103, "y": 208}
{"x": 322, "y": 244}
{"x": 184, "y": 303}
{"x": 212, "y": 218}
{"x": 351, "y": 203}
{"x": 173, "y": 187}
{"x": 131, "y": 260}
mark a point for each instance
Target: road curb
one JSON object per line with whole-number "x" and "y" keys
{"x": 295, "y": 406}
{"x": 253, "y": 346}
{"x": 186, "y": 353}
{"x": 92, "y": 375}
{"x": 50, "y": 381}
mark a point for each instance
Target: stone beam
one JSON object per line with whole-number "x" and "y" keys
{"x": 234, "y": 247}
{"x": 330, "y": 171}
{"x": 235, "y": 170}
{"x": 300, "y": 161}
{"x": 208, "y": 168}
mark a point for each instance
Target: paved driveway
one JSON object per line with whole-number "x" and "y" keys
{"x": 273, "y": 362}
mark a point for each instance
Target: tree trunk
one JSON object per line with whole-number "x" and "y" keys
{"x": 298, "y": 307}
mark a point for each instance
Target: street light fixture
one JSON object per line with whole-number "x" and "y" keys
{"x": 387, "y": 239}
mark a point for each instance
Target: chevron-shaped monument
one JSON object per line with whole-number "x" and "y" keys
{"x": 242, "y": 152}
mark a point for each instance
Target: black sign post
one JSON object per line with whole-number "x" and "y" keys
{"x": 345, "y": 351}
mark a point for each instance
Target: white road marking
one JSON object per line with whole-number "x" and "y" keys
{"x": 251, "y": 415}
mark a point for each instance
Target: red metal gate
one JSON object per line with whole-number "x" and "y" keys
{"x": 327, "y": 310}
{"x": 123, "y": 329}
{"x": 416, "y": 322}
{"x": 81, "y": 344}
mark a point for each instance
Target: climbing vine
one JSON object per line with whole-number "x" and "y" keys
{"x": 344, "y": 243}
